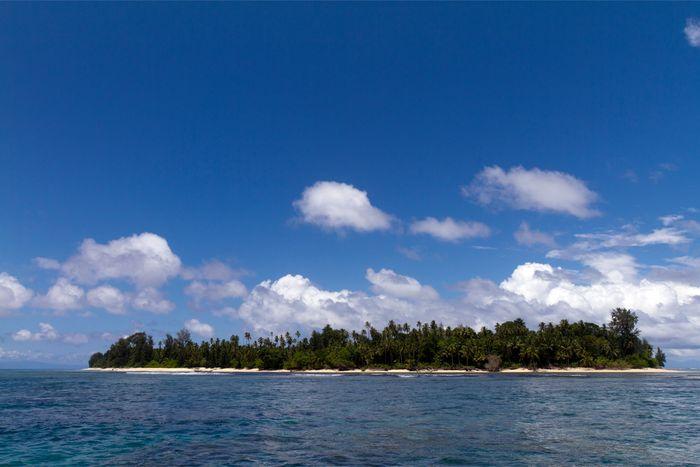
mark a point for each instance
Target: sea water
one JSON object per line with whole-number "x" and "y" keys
{"x": 117, "y": 418}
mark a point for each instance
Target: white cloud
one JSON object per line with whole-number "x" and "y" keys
{"x": 670, "y": 219}
{"x": 390, "y": 283}
{"x": 627, "y": 238}
{"x": 615, "y": 267}
{"x": 110, "y": 298}
{"x": 669, "y": 309}
{"x": 450, "y": 230}
{"x": 340, "y": 206}
{"x": 680, "y": 222}
{"x": 213, "y": 270}
{"x": 215, "y": 291}
{"x": 47, "y": 263}
{"x": 662, "y": 236}
{"x": 229, "y": 311}
{"x": 145, "y": 259}
{"x": 75, "y": 338}
{"x": 62, "y": 296}
{"x": 46, "y": 332}
{"x": 201, "y": 329}
{"x": 152, "y": 300}
{"x": 529, "y": 237}
{"x": 294, "y": 301}
{"x": 692, "y": 31}
{"x": 687, "y": 261}
{"x": 410, "y": 253}
{"x": 22, "y": 355}
{"x": 13, "y": 295}
{"x": 534, "y": 189}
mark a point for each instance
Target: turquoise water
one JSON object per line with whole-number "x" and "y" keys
{"x": 90, "y": 418}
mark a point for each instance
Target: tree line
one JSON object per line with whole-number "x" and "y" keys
{"x": 616, "y": 344}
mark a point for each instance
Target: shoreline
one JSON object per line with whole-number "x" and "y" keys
{"x": 381, "y": 372}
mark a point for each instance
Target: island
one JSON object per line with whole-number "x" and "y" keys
{"x": 400, "y": 348}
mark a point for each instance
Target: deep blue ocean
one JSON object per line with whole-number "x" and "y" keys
{"x": 61, "y": 417}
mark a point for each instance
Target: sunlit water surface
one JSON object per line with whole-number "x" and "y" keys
{"x": 89, "y": 418}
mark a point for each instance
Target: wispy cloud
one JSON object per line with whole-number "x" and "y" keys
{"x": 692, "y": 31}
{"x": 529, "y": 237}
{"x": 450, "y": 230}
{"x": 410, "y": 253}
{"x": 630, "y": 175}
{"x": 658, "y": 174}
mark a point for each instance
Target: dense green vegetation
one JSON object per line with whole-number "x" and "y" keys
{"x": 511, "y": 344}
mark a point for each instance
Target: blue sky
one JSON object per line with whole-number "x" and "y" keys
{"x": 553, "y": 136}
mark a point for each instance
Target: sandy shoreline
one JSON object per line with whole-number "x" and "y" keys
{"x": 377, "y": 371}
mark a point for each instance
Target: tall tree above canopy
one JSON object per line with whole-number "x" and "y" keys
{"x": 623, "y": 327}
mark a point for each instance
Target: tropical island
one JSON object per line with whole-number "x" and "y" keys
{"x": 426, "y": 347}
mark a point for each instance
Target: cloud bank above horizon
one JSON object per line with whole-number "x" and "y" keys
{"x": 136, "y": 275}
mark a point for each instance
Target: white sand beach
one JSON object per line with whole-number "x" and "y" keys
{"x": 380, "y": 371}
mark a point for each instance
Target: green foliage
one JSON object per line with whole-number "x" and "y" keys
{"x": 660, "y": 357}
{"x": 425, "y": 346}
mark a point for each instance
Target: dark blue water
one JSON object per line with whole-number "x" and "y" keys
{"x": 89, "y": 418}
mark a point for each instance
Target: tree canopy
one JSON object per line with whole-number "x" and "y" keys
{"x": 427, "y": 345}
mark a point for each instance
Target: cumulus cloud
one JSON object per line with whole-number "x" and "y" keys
{"x": 340, "y": 206}
{"x": 13, "y": 295}
{"x": 533, "y": 189}
{"x": 215, "y": 291}
{"x": 201, "y": 329}
{"x": 669, "y": 308}
{"x": 692, "y": 31}
{"x": 615, "y": 267}
{"x": 294, "y": 301}
{"x": 109, "y": 298}
{"x": 62, "y": 296}
{"x": 529, "y": 237}
{"x": 388, "y": 282}
{"x": 145, "y": 259}
{"x": 450, "y": 230}
{"x": 150, "y": 299}
{"x": 46, "y": 332}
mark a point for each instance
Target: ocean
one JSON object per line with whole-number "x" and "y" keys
{"x": 82, "y": 418}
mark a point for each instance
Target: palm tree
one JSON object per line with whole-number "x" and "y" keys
{"x": 531, "y": 352}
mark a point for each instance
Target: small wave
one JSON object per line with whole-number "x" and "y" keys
{"x": 446, "y": 375}
{"x": 318, "y": 375}
{"x": 555, "y": 375}
{"x": 406, "y": 376}
{"x": 168, "y": 373}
